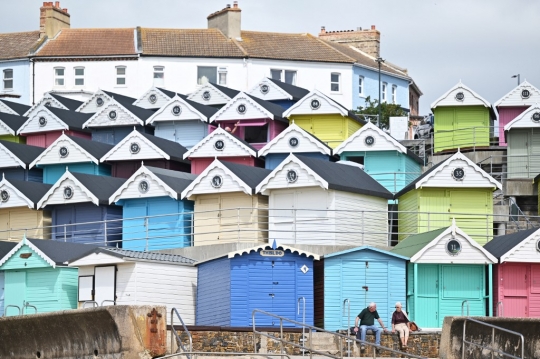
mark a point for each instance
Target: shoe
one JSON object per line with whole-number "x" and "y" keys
{"x": 362, "y": 348}
{"x": 405, "y": 346}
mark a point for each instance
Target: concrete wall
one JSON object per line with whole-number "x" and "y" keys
{"x": 452, "y": 336}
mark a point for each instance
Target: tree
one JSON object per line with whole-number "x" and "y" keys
{"x": 387, "y": 110}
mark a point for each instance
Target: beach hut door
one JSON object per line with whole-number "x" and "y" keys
{"x": 514, "y": 282}
{"x": 15, "y": 281}
{"x": 104, "y": 287}
{"x": 354, "y": 287}
{"x": 428, "y": 296}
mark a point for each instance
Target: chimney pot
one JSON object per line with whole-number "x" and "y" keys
{"x": 235, "y": 4}
{"x": 57, "y": 4}
{"x": 372, "y": 27}
{"x": 358, "y": 29}
{"x": 323, "y": 29}
{"x": 228, "y": 6}
{"x": 65, "y": 10}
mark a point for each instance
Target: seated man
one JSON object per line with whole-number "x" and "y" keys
{"x": 367, "y": 322}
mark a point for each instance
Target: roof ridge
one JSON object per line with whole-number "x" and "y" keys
{"x": 324, "y": 42}
{"x": 236, "y": 42}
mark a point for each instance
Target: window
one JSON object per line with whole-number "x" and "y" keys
{"x": 59, "y": 76}
{"x": 121, "y": 75}
{"x": 79, "y": 76}
{"x": 334, "y": 82}
{"x": 159, "y": 75}
{"x": 394, "y": 94}
{"x": 287, "y": 76}
{"x": 383, "y": 91}
{"x": 361, "y": 85}
{"x": 206, "y": 74}
{"x": 222, "y": 76}
{"x": 8, "y": 79}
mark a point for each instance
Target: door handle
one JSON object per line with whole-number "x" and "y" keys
{"x": 271, "y": 294}
{"x": 275, "y": 282}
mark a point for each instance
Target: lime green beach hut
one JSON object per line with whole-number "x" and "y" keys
{"x": 447, "y": 269}
{"x": 463, "y": 119}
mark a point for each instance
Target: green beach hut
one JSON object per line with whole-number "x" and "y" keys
{"x": 445, "y": 274}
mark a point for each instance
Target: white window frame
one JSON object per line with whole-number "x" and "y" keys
{"x": 384, "y": 87}
{"x": 8, "y": 79}
{"x": 78, "y": 77}
{"x": 58, "y": 78}
{"x": 222, "y": 76}
{"x": 282, "y": 76}
{"x": 159, "y": 70}
{"x": 361, "y": 85}
{"x": 394, "y": 94}
{"x": 121, "y": 76}
{"x": 333, "y": 82}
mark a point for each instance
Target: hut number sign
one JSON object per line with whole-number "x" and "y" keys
{"x": 458, "y": 174}
{"x": 63, "y": 152}
{"x": 219, "y": 145}
{"x": 272, "y": 253}
{"x": 264, "y": 89}
{"x": 453, "y": 247}
{"x": 42, "y": 121}
{"x": 315, "y": 104}
{"x": 241, "y": 109}
{"x": 537, "y": 241}
{"x": 535, "y": 117}
{"x": 152, "y": 98}
{"x": 369, "y": 141}
{"x": 217, "y": 181}
{"x": 144, "y": 186}
{"x": 292, "y": 176}
{"x": 525, "y": 94}
{"x": 112, "y": 115}
{"x": 206, "y": 95}
{"x": 134, "y": 148}
{"x": 99, "y": 101}
{"x": 4, "y": 195}
{"x": 176, "y": 110}
{"x": 460, "y": 96}
{"x": 293, "y": 141}
{"x": 68, "y": 192}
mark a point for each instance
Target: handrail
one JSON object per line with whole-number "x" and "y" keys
{"x": 492, "y": 348}
{"x": 462, "y": 303}
{"x": 26, "y": 305}
{"x": 12, "y": 306}
{"x": 178, "y": 339}
{"x": 303, "y": 299}
{"x": 94, "y": 303}
{"x": 348, "y": 324}
{"x": 500, "y": 313}
{"x": 314, "y": 328}
{"x": 108, "y": 301}
{"x": 226, "y": 354}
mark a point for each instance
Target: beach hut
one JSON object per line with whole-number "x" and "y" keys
{"x": 101, "y": 98}
{"x": 278, "y": 92}
{"x": 455, "y": 188}
{"x": 15, "y": 160}
{"x": 5, "y": 247}
{"x": 18, "y": 214}
{"x": 293, "y": 140}
{"x": 383, "y": 157}
{"x": 314, "y": 201}
{"x": 253, "y": 120}
{"x": 352, "y": 279}
{"x": 79, "y": 154}
{"x": 53, "y": 100}
{"x": 9, "y": 125}
{"x": 523, "y": 141}
{"x": 516, "y": 277}
{"x": 212, "y": 94}
{"x": 126, "y": 157}
{"x": 270, "y": 278}
{"x": 37, "y": 278}
{"x": 79, "y": 204}
{"x": 449, "y": 274}
{"x": 513, "y": 104}
{"x": 123, "y": 277}
{"x": 116, "y": 118}
{"x": 227, "y": 208}
{"x": 181, "y": 120}
{"x": 463, "y": 119}
{"x": 154, "y": 98}
{"x": 223, "y": 145}
{"x": 323, "y": 117}
{"x": 154, "y": 216}
{"x": 13, "y": 108}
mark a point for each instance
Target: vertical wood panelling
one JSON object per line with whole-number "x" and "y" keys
{"x": 214, "y": 293}
{"x": 506, "y": 115}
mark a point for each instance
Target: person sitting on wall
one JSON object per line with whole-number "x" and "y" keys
{"x": 401, "y": 323}
{"x": 367, "y": 322}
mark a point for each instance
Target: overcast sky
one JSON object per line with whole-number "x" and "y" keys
{"x": 481, "y": 42}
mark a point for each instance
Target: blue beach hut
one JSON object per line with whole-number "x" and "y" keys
{"x": 15, "y": 160}
{"x": 230, "y": 287}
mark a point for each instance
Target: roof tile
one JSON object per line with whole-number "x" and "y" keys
{"x": 17, "y": 45}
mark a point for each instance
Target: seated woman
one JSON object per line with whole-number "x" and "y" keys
{"x": 400, "y": 322}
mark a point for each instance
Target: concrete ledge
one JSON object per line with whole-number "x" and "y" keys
{"x": 520, "y": 187}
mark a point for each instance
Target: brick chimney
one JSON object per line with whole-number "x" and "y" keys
{"x": 367, "y": 40}
{"x": 228, "y": 21}
{"x": 52, "y": 19}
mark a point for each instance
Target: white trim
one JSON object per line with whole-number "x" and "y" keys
{"x": 84, "y": 262}
{"x": 507, "y": 256}
{"x": 521, "y": 86}
{"x": 219, "y": 131}
{"x": 129, "y": 137}
{"x": 290, "y": 111}
{"x": 63, "y": 137}
{"x": 5, "y": 108}
{"x": 5, "y": 182}
{"x": 67, "y": 175}
{"x": 89, "y": 101}
{"x": 256, "y": 92}
{"x": 176, "y": 98}
{"x": 145, "y": 96}
{"x": 293, "y": 127}
{"x": 43, "y": 100}
{"x": 460, "y": 86}
{"x": 104, "y": 109}
{"x": 231, "y": 102}
{"x": 522, "y": 117}
{"x": 269, "y": 246}
{"x": 27, "y": 122}
{"x": 369, "y": 126}
{"x": 32, "y": 247}
{"x": 21, "y": 163}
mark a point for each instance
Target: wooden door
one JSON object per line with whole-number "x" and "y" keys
{"x": 206, "y": 225}
{"x": 235, "y": 218}
{"x": 354, "y": 288}
{"x": 4, "y": 225}
{"x": 105, "y": 284}
{"x": 282, "y": 217}
{"x": 518, "y": 153}
{"x": 283, "y": 290}
{"x": 15, "y": 294}
{"x": 470, "y": 210}
{"x": 427, "y": 306}
{"x": 534, "y": 296}
{"x": 515, "y": 290}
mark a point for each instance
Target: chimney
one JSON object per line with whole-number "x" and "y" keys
{"x": 367, "y": 40}
{"x": 228, "y": 21}
{"x": 52, "y": 19}
{"x": 323, "y": 29}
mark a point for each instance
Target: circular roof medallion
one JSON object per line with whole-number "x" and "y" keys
{"x": 369, "y": 140}
{"x": 63, "y": 152}
{"x": 152, "y": 98}
{"x": 99, "y": 102}
{"x": 315, "y": 104}
{"x": 68, "y": 192}
{"x": 144, "y": 186}
{"x": 241, "y": 109}
{"x": 264, "y": 88}
{"x": 134, "y": 148}
{"x": 113, "y": 115}
{"x": 42, "y": 122}
{"x": 292, "y": 176}
{"x": 458, "y": 173}
{"x": 217, "y": 181}
{"x": 535, "y": 117}
{"x": 460, "y": 96}
{"x": 453, "y": 247}
{"x": 219, "y": 145}
{"x": 4, "y": 195}
{"x": 525, "y": 93}
{"x": 176, "y": 110}
{"x": 206, "y": 95}
{"x": 293, "y": 141}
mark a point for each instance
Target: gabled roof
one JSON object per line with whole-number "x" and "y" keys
{"x": 70, "y": 104}
{"x": 154, "y": 98}
{"x": 226, "y": 90}
{"x": 92, "y": 149}
{"x": 18, "y": 45}
{"x": 243, "y": 148}
{"x": 200, "y": 111}
{"x": 515, "y": 96}
{"x": 174, "y": 182}
{"x": 23, "y": 154}
{"x": 90, "y": 42}
{"x": 134, "y": 256}
{"x": 441, "y": 166}
{"x": 247, "y": 177}
{"x": 364, "y": 248}
{"x": 30, "y": 192}
{"x": 17, "y": 108}
{"x": 280, "y": 143}
{"x": 97, "y": 188}
{"x": 525, "y": 119}
{"x": 11, "y": 123}
{"x": 169, "y": 150}
{"x": 138, "y": 114}
{"x": 5, "y": 248}
{"x": 256, "y": 108}
{"x": 271, "y": 90}
{"x": 413, "y": 244}
{"x": 470, "y": 98}
{"x": 330, "y": 175}
{"x": 207, "y": 93}
{"x": 70, "y": 120}
{"x": 356, "y": 143}
{"x": 295, "y": 92}
{"x": 502, "y": 246}
{"x": 107, "y": 95}
{"x": 48, "y": 100}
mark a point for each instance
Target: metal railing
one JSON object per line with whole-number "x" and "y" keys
{"x": 174, "y": 334}
{"x": 491, "y": 348}
{"x": 93, "y": 302}
{"x": 28, "y": 305}
{"x": 12, "y": 306}
{"x": 463, "y": 307}
{"x": 340, "y": 337}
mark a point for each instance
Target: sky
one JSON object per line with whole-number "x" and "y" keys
{"x": 483, "y": 43}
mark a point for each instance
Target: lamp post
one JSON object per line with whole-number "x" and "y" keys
{"x": 379, "y": 61}
{"x": 519, "y": 82}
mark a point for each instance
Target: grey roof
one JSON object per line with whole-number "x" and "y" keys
{"x": 12, "y": 121}
{"x": 173, "y": 149}
{"x": 119, "y": 97}
{"x": 62, "y": 252}
{"x": 501, "y": 245}
{"x": 168, "y": 93}
{"x": 17, "y": 107}
{"x": 127, "y": 102}
{"x": 412, "y": 185}
{"x": 25, "y": 153}
{"x": 100, "y": 186}
{"x": 208, "y": 111}
{"x": 178, "y": 181}
{"x": 34, "y": 191}
{"x": 250, "y": 175}
{"x": 74, "y": 120}
{"x": 296, "y": 92}
{"x": 342, "y": 177}
{"x": 271, "y": 107}
{"x": 69, "y": 103}
{"x": 226, "y": 90}
{"x": 94, "y": 148}
{"x": 149, "y": 256}
{"x": 6, "y": 247}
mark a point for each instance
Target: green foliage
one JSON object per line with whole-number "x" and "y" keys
{"x": 387, "y": 110}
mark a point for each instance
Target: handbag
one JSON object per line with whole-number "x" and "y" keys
{"x": 412, "y": 325}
